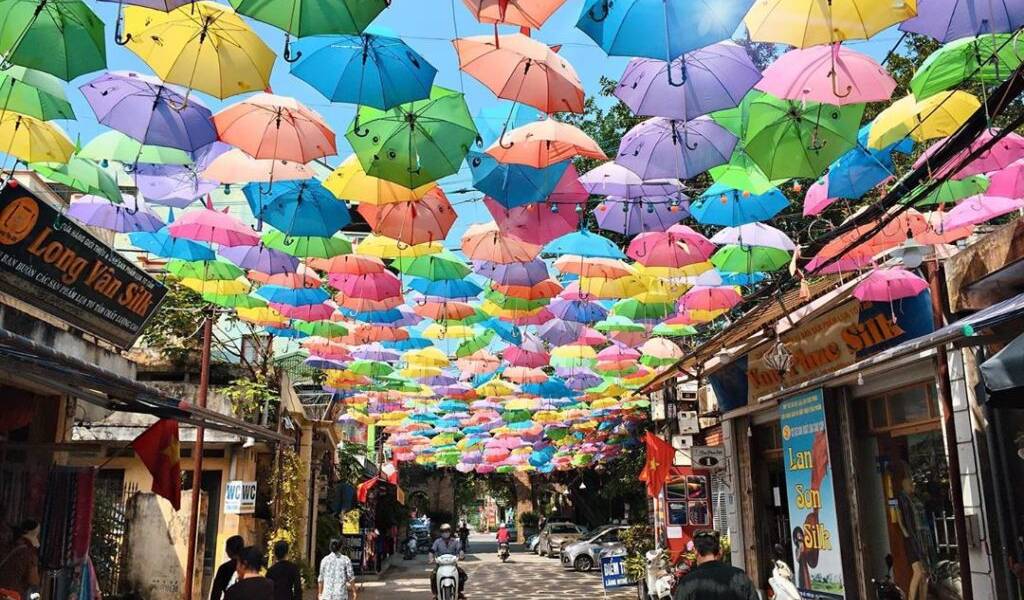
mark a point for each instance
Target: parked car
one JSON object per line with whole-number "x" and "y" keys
{"x": 585, "y": 554}
{"x": 553, "y": 534}
{"x": 531, "y": 542}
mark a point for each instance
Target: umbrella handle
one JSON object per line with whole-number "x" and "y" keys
{"x": 597, "y": 19}
{"x": 184, "y": 103}
{"x": 120, "y": 37}
{"x": 835, "y": 91}
{"x": 355, "y": 127}
{"x": 683, "y": 74}
{"x": 501, "y": 138}
{"x": 288, "y": 56}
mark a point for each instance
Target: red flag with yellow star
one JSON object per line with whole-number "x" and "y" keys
{"x": 659, "y": 459}
{"x": 159, "y": 450}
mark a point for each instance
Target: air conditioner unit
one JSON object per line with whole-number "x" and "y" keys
{"x": 706, "y": 400}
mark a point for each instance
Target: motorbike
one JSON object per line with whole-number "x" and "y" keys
{"x": 660, "y": 579}
{"x": 781, "y": 580}
{"x": 447, "y": 577}
{"x": 410, "y": 548}
{"x": 886, "y": 588}
{"x": 503, "y": 552}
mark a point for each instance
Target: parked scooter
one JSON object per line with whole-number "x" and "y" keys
{"x": 886, "y": 588}
{"x": 447, "y": 577}
{"x": 409, "y": 548}
{"x": 660, "y": 578}
{"x": 781, "y": 580}
{"x": 503, "y": 552}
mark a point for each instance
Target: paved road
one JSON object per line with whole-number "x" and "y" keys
{"x": 525, "y": 576}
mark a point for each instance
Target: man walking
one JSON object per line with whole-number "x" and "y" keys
{"x": 711, "y": 579}
{"x": 226, "y": 572}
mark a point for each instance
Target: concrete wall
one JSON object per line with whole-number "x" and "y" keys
{"x": 157, "y": 547}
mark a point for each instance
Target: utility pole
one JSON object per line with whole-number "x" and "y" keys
{"x": 197, "y": 453}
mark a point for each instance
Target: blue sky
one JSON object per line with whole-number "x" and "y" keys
{"x": 428, "y": 26}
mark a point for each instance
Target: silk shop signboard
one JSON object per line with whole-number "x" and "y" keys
{"x": 838, "y": 339}
{"x": 52, "y": 263}
{"x": 812, "y": 505}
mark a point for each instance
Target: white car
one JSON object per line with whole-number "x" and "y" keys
{"x": 585, "y": 554}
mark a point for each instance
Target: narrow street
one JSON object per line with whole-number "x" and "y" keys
{"x": 525, "y": 576}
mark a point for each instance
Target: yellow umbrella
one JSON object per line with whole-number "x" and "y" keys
{"x": 491, "y": 309}
{"x": 30, "y": 140}
{"x": 262, "y": 315}
{"x": 436, "y": 331}
{"x": 611, "y": 289}
{"x": 934, "y": 117}
{"x": 229, "y": 287}
{"x": 417, "y": 371}
{"x": 385, "y": 247}
{"x": 673, "y": 272}
{"x": 201, "y": 45}
{"x": 427, "y": 357}
{"x": 350, "y": 182}
{"x": 496, "y": 387}
{"x": 804, "y": 23}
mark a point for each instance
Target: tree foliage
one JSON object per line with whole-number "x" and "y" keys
{"x": 175, "y": 331}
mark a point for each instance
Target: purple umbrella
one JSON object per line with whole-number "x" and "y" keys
{"x": 559, "y": 333}
{"x": 948, "y": 20}
{"x": 148, "y": 110}
{"x": 375, "y": 352}
{"x": 130, "y": 216}
{"x": 631, "y": 217}
{"x": 439, "y": 380}
{"x": 176, "y": 186}
{"x": 409, "y": 318}
{"x": 455, "y": 389}
{"x": 712, "y": 78}
{"x": 524, "y": 274}
{"x": 260, "y": 258}
{"x": 579, "y": 311}
{"x": 613, "y": 179}
{"x": 663, "y": 149}
{"x": 582, "y": 381}
{"x": 164, "y": 5}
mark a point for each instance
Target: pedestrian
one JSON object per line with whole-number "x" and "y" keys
{"x": 464, "y": 536}
{"x": 227, "y": 571}
{"x": 285, "y": 574}
{"x": 337, "y": 579}
{"x": 711, "y": 579}
{"x": 19, "y": 565}
{"x": 251, "y": 584}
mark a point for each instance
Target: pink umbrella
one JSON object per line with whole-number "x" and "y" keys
{"x": 665, "y": 249}
{"x": 829, "y": 74}
{"x": 522, "y": 375}
{"x": 843, "y": 265}
{"x": 266, "y": 126}
{"x": 1005, "y": 152}
{"x": 691, "y": 238}
{"x": 629, "y": 338}
{"x": 529, "y": 354}
{"x": 617, "y": 354}
{"x": 372, "y": 286}
{"x": 535, "y": 223}
{"x": 306, "y": 312}
{"x": 710, "y": 298}
{"x": 208, "y": 225}
{"x": 939, "y": 234}
{"x": 237, "y": 167}
{"x": 1007, "y": 182}
{"x": 304, "y": 277}
{"x": 978, "y": 209}
{"x": 886, "y": 285}
{"x": 591, "y": 337}
{"x": 816, "y": 199}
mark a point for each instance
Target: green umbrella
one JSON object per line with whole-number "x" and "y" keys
{"x": 313, "y": 17}
{"x": 83, "y": 175}
{"x": 34, "y": 93}
{"x": 116, "y": 146}
{"x": 513, "y": 303}
{"x": 371, "y": 368}
{"x": 474, "y": 344}
{"x": 632, "y": 308}
{"x": 790, "y": 138}
{"x": 206, "y": 270}
{"x": 61, "y": 37}
{"x": 742, "y": 173}
{"x": 988, "y": 59}
{"x": 653, "y": 361}
{"x": 735, "y": 119}
{"x": 307, "y": 246}
{"x": 674, "y": 330}
{"x": 952, "y": 191}
{"x": 235, "y": 300}
{"x": 435, "y": 267}
{"x": 734, "y": 258}
{"x": 620, "y": 323}
{"x": 414, "y": 143}
{"x": 324, "y": 329}
{"x": 473, "y": 319}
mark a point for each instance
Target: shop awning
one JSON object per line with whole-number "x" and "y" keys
{"x": 1005, "y": 370}
{"x": 25, "y": 359}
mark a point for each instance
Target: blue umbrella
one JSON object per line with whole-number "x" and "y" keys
{"x": 506, "y": 331}
{"x": 659, "y": 28}
{"x": 552, "y": 388}
{"x": 300, "y": 208}
{"x": 584, "y": 243}
{"x": 370, "y": 70}
{"x": 505, "y": 115}
{"x": 445, "y": 288}
{"x": 161, "y": 243}
{"x": 862, "y": 168}
{"x": 513, "y": 185}
{"x": 729, "y": 207}
{"x": 412, "y": 343}
{"x": 391, "y": 315}
{"x": 744, "y": 279}
{"x": 292, "y": 297}
{"x": 286, "y": 333}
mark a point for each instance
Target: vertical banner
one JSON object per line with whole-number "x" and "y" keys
{"x": 812, "y": 505}
{"x": 371, "y": 443}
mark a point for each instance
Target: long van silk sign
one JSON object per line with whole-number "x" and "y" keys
{"x": 52, "y": 263}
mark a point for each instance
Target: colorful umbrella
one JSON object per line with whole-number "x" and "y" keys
{"x": 613, "y": 179}
{"x": 664, "y": 149}
{"x": 1000, "y": 155}
{"x": 515, "y": 185}
{"x": 948, "y": 20}
{"x": 584, "y": 243}
{"x": 301, "y": 208}
{"x": 237, "y": 167}
{"x": 952, "y": 191}
{"x": 266, "y": 126}
{"x": 445, "y": 288}
{"x": 351, "y": 264}
{"x": 208, "y": 225}
{"x": 85, "y": 176}
{"x": 543, "y": 143}
{"x": 164, "y": 245}
{"x": 205, "y": 270}
{"x": 933, "y": 117}
{"x": 710, "y": 298}
{"x": 514, "y": 273}
{"x": 828, "y": 74}
{"x": 261, "y": 258}
{"x": 722, "y": 205}
{"x": 313, "y": 17}
{"x": 862, "y": 168}
{"x": 486, "y": 242}
{"x": 526, "y": 13}
{"x": 805, "y": 23}
{"x": 307, "y": 246}
{"x": 630, "y": 217}
{"x": 979, "y": 209}
{"x": 434, "y": 267}
{"x": 116, "y": 146}
{"x": 300, "y": 278}
{"x": 886, "y": 285}
{"x": 30, "y": 140}
{"x": 666, "y": 249}
{"x": 754, "y": 234}
{"x": 66, "y": 39}
{"x": 123, "y": 217}
{"x": 34, "y": 93}
{"x": 385, "y": 247}
{"x": 532, "y": 223}
{"x": 988, "y": 59}
{"x": 426, "y": 220}
{"x": 350, "y": 182}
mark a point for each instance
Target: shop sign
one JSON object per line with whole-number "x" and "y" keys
{"x": 811, "y": 494}
{"x": 613, "y": 571}
{"x": 838, "y": 339}
{"x": 350, "y": 522}
{"x": 709, "y": 457}
{"x": 240, "y": 498}
{"x": 52, "y": 263}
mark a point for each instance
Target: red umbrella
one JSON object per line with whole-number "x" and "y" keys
{"x": 444, "y": 311}
{"x": 348, "y": 264}
{"x": 534, "y": 223}
{"x": 526, "y": 13}
{"x": 489, "y": 242}
{"x": 417, "y": 222}
{"x": 549, "y": 288}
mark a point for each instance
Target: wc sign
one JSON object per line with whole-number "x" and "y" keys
{"x": 240, "y": 498}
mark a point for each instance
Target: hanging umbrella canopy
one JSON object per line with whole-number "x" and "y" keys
{"x": 525, "y": 13}
{"x": 722, "y": 205}
{"x": 862, "y": 168}
{"x": 66, "y": 39}
{"x": 987, "y": 59}
{"x": 710, "y": 298}
{"x": 489, "y": 243}
{"x": 630, "y": 217}
{"x": 805, "y": 23}
{"x": 266, "y": 126}
{"x": 734, "y": 258}
{"x": 301, "y": 207}
{"x": 534, "y": 224}
{"x": 445, "y": 288}
{"x": 368, "y": 70}
{"x": 1000, "y": 155}
{"x": 237, "y": 167}
{"x": 521, "y": 69}
{"x": 948, "y": 20}
{"x": 34, "y": 93}
{"x": 85, "y": 176}
{"x": 124, "y": 217}
{"x": 350, "y": 182}
{"x": 828, "y": 74}
{"x": 384, "y": 247}
{"x": 307, "y": 246}
{"x": 414, "y": 143}
{"x": 613, "y": 179}
{"x": 543, "y": 143}
{"x": 697, "y": 83}
{"x": 302, "y": 277}
{"x": 422, "y": 221}
{"x": 164, "y": 245}
{"x": 30, "y": 140}
{"x": 886, "y": 285}
{"x": 658, "y": 29}
{"x": 449, "y": 310}
{"x": 203, "y": 46}
{"x": 979, "y": 209}
{"x": 177, "y": 186}
{"x": 351, "y": 264}
{"x": 548, "y": 288}
{"x": 260, "y": 258}
{"x": 667, "y": 249}
{"x": 208, "y": 225}
{"x": 742, "y": 173}
{"x": 204, "y": 270}
{"x": 665, "y": 149}
{"x": 933, "y": 117}
{"x": 952, "y": 191}
{"x": 313, "y": 17}
{"x": 754, "y": 234}
{"x": 515, "y": 185}
{"x": 434, "y": 267}
{"x": 374, "y": 286}
{"x": 514, "y": 273}
{"x": 584, "y": 243}
{"x": 593, "y": 267}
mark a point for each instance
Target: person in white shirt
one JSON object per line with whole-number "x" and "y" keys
{"x": 337, "y": 579}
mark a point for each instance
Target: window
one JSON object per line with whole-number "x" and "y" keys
{"x": 905, "y": 407}
{"x": 564, "y": 529}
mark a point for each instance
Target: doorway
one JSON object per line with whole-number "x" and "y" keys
{"x": 771, "y": 505}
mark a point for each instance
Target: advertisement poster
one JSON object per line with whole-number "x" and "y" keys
{"x": 687, "y": 506}
{"x": 812, "y": 507}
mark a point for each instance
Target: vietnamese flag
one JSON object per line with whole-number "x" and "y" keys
{"x": 158, "y": 448}
{"x": 659, "y": 459}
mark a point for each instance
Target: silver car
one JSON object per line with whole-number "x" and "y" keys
{"x": 585, "y": 554}
{"x": 553, "y": 534}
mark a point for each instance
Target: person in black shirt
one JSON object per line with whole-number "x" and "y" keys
{"x": 222, "y": 579}
{"x": 285, "y": 575}
{"x": 250, "y": 585}
{"x": 711, "y": 579}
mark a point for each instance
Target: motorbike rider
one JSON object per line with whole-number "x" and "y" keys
{"x": 446, "y": 544}
{"x": 503, "y": 536}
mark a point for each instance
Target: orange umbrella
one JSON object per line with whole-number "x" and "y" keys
{"x": 543, "y": 143}
{"x": 523, "y": 375}
{"x": 269, "y": 126}
{"x": 605, "y": 268}
{"x": 487, "y": 242}
{"x": 237, "y": 167}
{"x": 348, "y": 264}
{"x": 417, "y": 222}
{"x": 444, "y": 311}
{"x": 367, "y": 304}
{"x": 304, "y": 277}
{"x": 549, "y": 288}
{"x": 526, "y": 13}
{"x": 365, "y": 334}
{"x": 521, "y": 69}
